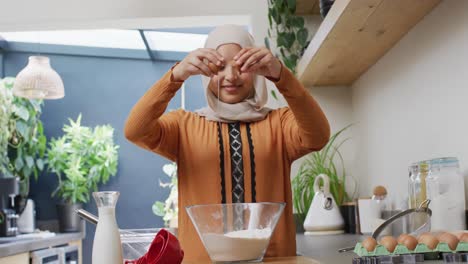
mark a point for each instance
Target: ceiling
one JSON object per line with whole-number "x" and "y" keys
{"x": 24, "y": 15}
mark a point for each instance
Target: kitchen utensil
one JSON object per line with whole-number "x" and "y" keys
{"x": 107, "y": 247}
{"x": 324, "y": 216}
{"x": 137, "y": 242}
{"x": 404, "y": 217}
{"x": 235, "y": 232}
{"x": 165, "y": 249}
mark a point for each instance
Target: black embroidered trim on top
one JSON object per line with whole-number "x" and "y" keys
{"x": 252, "y": 164}
{"x": 237, "y": 163}
{"x": 221, "y": 164}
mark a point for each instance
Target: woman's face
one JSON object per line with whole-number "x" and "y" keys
{"x": 234, "y": 85}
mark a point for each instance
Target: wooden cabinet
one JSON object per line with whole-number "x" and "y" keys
{"x": 23, "y": 258}
{"x": 17, "y": 259}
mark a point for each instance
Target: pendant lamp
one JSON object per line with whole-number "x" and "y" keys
{"x": 38, "y": 80}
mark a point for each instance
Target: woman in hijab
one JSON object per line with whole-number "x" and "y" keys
{"x": 235, "y": 149}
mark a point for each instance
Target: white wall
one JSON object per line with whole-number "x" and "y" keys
{"x": 336, "y": 103}
{"x": 413, "y": 104}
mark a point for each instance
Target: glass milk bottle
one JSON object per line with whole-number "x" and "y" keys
{"x": 446, "y": 190}
{"x": 106, "y": 245}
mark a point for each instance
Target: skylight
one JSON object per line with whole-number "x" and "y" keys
{"x": 112, "y": 38}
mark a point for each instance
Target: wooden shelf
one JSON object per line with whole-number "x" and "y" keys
{"x": 307, "y": 7}
{"x": 355, "y": 35}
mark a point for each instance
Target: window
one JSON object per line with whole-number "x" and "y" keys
{"x": 112, "y": 38}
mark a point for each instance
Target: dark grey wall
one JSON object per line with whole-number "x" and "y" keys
{"x": 104, "y": 90}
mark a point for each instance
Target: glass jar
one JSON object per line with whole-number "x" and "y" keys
{"x": 417, "y": 183}
{"x": 417, "y": 190}
{"x": 446, "y": 190}
{"x": 412, "y": 172}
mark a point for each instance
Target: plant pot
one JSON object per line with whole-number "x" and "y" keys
{"x": 68, "y": 220}
{"x": 299, "y": 223}
{"x": 325, "y": 6}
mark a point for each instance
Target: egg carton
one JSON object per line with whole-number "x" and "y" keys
{"x": 390, "y": 259}
{"x": 402, "y": 249}
{"x": 455, "y": 257}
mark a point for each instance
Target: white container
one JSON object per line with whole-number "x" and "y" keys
{"x": 446, "y": 190}
{"x": 26, "y": 221}
{"x": 107, "y": 247}
{"x": 369, "y": 215}
{"x": 324, "y": 216}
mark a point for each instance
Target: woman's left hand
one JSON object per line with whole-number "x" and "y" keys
{"x": 258, "y": 61}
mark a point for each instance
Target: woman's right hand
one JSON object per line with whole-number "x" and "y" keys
{"x": 198, "y": 62}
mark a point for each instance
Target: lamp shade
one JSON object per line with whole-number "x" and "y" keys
{"x": 38, "y": 80}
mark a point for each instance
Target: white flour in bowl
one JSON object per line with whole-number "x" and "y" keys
{"x": 238, "y": 245}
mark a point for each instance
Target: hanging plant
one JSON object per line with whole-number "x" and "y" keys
{"x": 26, "y": 142}
{"x": 288, "y": 30}
{"x": 6, "y": 100}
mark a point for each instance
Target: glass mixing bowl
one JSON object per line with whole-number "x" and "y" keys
{"x": 237, "y": 232}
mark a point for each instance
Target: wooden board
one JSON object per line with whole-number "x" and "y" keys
{"x": 307, "y": 7}
{"x": 355, "y": 35}
{"x": 285, "y": 260}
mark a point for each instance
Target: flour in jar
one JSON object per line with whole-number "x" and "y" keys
{"x": 238, "y": 245}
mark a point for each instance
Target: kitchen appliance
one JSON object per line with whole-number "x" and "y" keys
{"x": 68, "y": 254}
{"x": 26, "y": 220}
{"x": 323, "y": 217}
{"x": 45, "y": 256}
{"x": 9, "y": 188}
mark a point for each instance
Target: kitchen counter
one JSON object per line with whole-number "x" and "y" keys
{"x": 324, "y": 249}
{"x": 12, "y": 246}
{"x": 288, "y": 260}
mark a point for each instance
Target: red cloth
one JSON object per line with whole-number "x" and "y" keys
{"x": 165, "y": 249}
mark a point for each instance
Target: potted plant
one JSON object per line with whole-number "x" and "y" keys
{"x": 168, "y": 209}
{"x": 6, "y": 99}
{"x": 26, "y": 140}
{"x": 324, "y": 161}
{"x": 287, "y": 34}
{"x": 82, "y": 158}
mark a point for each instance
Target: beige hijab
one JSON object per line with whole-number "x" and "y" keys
{"x": 252, "y": 108}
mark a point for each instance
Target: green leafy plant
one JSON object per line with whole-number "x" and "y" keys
{"x": 26, "y": 140}
{"x": 6, "y": 100}
{"x": 316, "y": 163}
{"x": 82, "y": 158}
{"x": 168, "y": 210}
{"x": 288, "y": 30}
